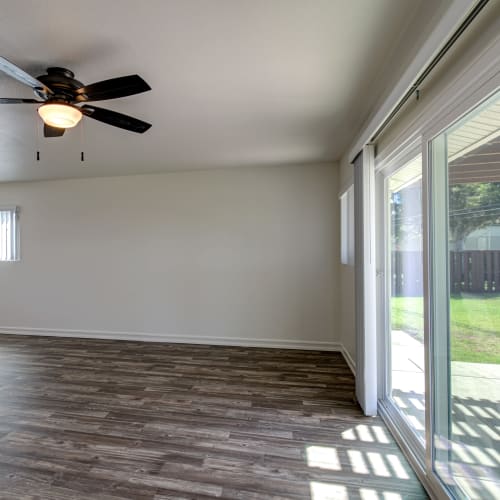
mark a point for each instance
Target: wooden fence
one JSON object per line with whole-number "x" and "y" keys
{"x": 475, "y": 271}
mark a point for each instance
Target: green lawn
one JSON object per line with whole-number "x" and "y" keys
{"x": 474, "y": 322}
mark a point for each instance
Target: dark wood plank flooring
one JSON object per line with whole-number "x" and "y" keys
{"x": 97, "y": 419}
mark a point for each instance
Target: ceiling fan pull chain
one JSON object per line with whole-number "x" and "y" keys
{"x": 82, "y": 143}
{"x": 37, "y": 137}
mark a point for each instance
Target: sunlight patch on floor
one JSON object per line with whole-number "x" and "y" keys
{"x": 365, "y": 433}
{"x": 378, "y": 465}
{"x": 369, "y": 494}
{"x": 349, "y": 435}
{"x": 323, "y": 457}
{"x": 380, "y": 434}
{"x": 397, "y": 467}
{"x": 357, "y": 461}
{"x": 325, "y": 491}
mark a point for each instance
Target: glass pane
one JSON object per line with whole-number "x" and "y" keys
{"x": 407, "y": 379}
{"x": 467, "y": 454}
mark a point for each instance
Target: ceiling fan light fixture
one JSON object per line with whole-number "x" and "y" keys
{"x": 61, "y": 93}
{"x": 60, "y": 115}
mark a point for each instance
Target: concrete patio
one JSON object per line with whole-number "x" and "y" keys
{"x": 475, "y": 459}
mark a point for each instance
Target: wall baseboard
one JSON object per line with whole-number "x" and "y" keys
{"x": 348, "y": 359}
{"x": 178, "y": 339}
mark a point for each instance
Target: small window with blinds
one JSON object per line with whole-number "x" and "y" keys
{"x": 9, "y": 234}
{"x": 347, "y": 227}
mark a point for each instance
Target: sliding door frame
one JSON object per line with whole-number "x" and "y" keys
{"x": 408, "y": 440}
{"x": 475, "y": 84}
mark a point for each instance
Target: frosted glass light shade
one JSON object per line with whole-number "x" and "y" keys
{"x": 60, "y": 115}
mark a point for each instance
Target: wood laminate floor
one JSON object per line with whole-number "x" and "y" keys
{"x": 97, "y": 419}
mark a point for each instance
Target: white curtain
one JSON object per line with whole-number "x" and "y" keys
{"x": 365, "y": 280}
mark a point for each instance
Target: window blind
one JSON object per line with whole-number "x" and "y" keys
{"x": 9, "y": 234}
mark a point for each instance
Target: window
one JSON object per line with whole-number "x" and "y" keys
{"x": 9, "y": 234}
{"x": 347, "y": 227}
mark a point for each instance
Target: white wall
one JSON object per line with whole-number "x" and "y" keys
{"x": 238, "y": 254}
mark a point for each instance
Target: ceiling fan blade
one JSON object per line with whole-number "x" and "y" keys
{"x": 17, "y": 73}
{"x": 49, "y": 131}
{"x": 115, "y": 119}
{"x": 112, "y": 89}
{"x": 15, "y": 100}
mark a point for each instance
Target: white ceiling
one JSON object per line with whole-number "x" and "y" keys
{"x": 235, "y": 82}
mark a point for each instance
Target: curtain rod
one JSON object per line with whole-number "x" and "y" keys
{"x": 432, "y": 64}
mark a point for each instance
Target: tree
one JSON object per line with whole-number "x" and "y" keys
{"x": 472, "y": 206}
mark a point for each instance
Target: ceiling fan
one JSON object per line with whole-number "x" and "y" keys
{"x": 59, "y": 95}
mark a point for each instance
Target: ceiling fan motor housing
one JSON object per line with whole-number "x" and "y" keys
{"x": 62, "y": 82}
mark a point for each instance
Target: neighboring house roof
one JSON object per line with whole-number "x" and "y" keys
{"x": 487, "y": 238}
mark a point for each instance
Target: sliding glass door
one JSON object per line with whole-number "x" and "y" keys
{"x": 465, "y": 303}
{"x": 438, "y": 209}
{"x": 405, "y": 383}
